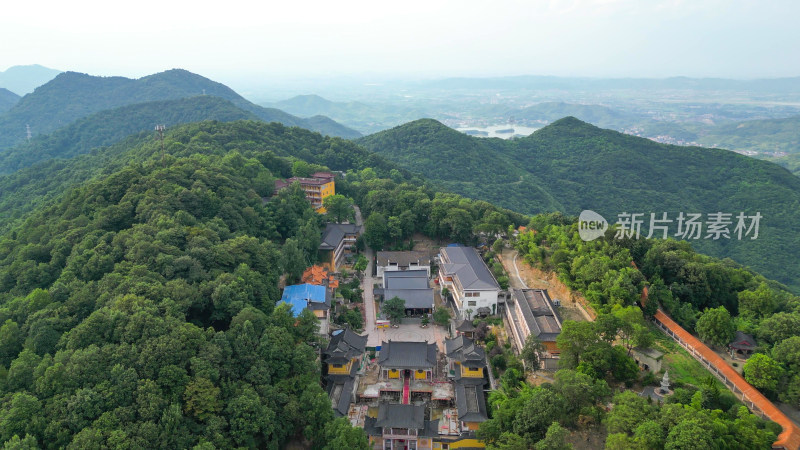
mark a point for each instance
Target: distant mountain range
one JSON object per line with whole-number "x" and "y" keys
{"x": 365, "y": 117}
{"x": 110, "y": 126}
{"x": 781, "y": 85}
{"x": 7, "y": 100}
{"x": 71, "y": 96}
{"x": 570, "y": 166}
{"x": 23, "y": 80}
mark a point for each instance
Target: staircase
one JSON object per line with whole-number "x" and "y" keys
{"x": 406, "y": 390}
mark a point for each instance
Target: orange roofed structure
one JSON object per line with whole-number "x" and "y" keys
{"x": 318, "y": 275}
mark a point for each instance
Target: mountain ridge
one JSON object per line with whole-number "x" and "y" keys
{"x": 571, "y": 165}
{"x": 71, "y": 96}
{"x": 24, "y": 79}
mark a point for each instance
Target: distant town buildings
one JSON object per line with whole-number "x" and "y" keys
{"x": 318, "y": 186}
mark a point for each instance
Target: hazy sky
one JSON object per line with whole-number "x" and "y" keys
{"x": 429, "y": 38}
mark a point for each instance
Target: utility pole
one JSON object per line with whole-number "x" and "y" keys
{"x": 160, "y": 129}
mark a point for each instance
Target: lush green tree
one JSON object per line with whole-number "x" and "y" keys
{"x": 202, "y": 399}
{"x": 758, "y": 303}
{"x": 394, "y": 308}
{"x": 508, "y": 441}
{"x": 715, "y": 326}
{"x": 574, "y": 340}
{"x": 579, "y": 390}
{"x": 376, "y": 232}
{"x": 340, "y": 434}
{"x": 780, "y": 326}
{"x": 338, "y": 207}
{"x": 542, "y": 408}
{"x": 762, "y": 372}
{"x": 554, "y": 439}
{"x": 649, "y": 434}
{"x": 441, "y": 316}
{"x": 361, "y": 264}
{"x": 689, "y": 434}
{"x": 787, "y": 352}
{"x": 628, "y": 412}
{"x": 27, "y": 443}
{"x": 619, "y": 441}
{"x": 531, "y": 352}
{"x": 293, "y": 261}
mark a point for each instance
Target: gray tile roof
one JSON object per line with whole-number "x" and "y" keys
{"x": 407, "y": 355}
{"x": 345, "y": 346}
{"x": 415, "y": 298}
{"x": 403, "y": 259}
{"x": 340, "y": 391}
{"x": 464, "y": 350}
{"x": 465, "y": 264}
{"x": 538, "y": 313}
{"x": 466, "y": 326}
{"x": 401, "y": 416}
{"x": 405, "y": 279}
{"x": 470, "y": 400}
{"x": 334, "y": 233}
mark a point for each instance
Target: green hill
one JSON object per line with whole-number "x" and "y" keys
{"x": 107, "y": 127}
{"x": 7, "y": 99}
{"x": 570, "y": 166}
{"x": 25, "y": 189}
{"x": 149, "y": 305}
{"x": 71, "y": 96}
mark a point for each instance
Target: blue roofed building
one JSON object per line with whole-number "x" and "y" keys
{"x": 311, "y": 296}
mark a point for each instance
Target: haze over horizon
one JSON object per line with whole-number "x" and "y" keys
{"x": 582, "y": 38}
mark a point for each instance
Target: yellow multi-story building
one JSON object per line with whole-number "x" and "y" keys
{"x": 464, "y": 358}
{"x": 345, "y": 353}
{"x": 345, "y": 358}
{"x": 316, "y": 187}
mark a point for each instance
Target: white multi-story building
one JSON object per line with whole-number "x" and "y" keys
{"x": 463, "y": 272}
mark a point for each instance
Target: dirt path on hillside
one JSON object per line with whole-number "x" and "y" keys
{"x": 573, "y": 305}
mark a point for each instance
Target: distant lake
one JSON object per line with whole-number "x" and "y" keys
{"x": 499, "y": 131}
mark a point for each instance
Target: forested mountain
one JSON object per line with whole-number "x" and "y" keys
{"x": 27, "y": 188}
{"x": 7, "y": 99}
{"x": 22, "y": 80}
{"x": 569, "y": 166}
{"x": 110, "y": 126}
{"x": 139, "y": 307}
{"x": 71, "y": 96}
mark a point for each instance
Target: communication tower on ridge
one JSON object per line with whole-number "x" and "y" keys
{"x": 160, "y": 129}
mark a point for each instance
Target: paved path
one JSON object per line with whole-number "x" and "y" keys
{"x": 373, "y": 334}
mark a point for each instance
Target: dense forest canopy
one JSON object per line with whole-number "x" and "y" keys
{"x": 139, "y": 305}
{"x": 570, "y": 166}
